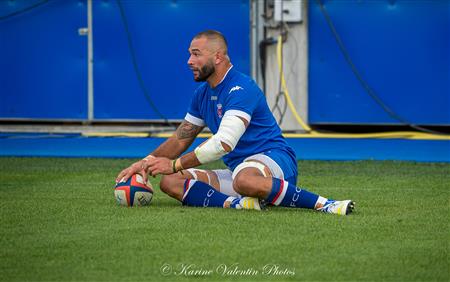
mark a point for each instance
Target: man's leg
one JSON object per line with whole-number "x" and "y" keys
{"x": 202, "y": 188}
{"x": 251, "y": 179}
{"x": 173, "y": 184}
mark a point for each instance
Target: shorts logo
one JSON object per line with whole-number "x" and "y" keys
{"x": 219, "y": 110}
{"x": 237, "y": 87}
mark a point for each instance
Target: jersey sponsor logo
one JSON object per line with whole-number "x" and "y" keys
{"x": 213, "y": 98}
{"x": 219, "y": 110}
{"x": 235, "y": 88}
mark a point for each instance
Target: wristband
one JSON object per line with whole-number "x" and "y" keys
{"x": 180, "y": 165}
{"x": 174, "y": 169}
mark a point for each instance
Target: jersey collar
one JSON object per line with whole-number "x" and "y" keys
{"x": 224, "y": 76}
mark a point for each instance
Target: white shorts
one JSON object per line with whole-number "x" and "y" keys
{"x": 225, "y": 176}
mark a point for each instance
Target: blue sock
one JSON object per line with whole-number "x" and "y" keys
{"x": 287, "y": 195}
{"x": 199, "y": 194}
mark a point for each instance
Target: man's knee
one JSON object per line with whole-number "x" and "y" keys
{"x": 241, "y": 183}
{"x": 247, "y": 183}
{"x": 165, "y": 182}
{"x": 173, "y": 184}
{"x": 169, "y": 184}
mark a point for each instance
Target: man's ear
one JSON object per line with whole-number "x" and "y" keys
{"x": 218, "y": 57}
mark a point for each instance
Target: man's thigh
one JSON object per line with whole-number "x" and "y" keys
{"x": 277, "y": 164}
{"x": 220, "y": 179}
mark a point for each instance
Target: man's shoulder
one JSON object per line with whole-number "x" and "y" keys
{"x": 240, "y": 77}
{"x": 242, "y": 82}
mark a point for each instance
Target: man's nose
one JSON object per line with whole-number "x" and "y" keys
{"x": 189, "y": 62}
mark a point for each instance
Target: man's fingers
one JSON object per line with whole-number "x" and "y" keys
{"x": 144, "y": 176}
{"x": 137, "y": 167}
{"x": 154, "y": 169}
{"x": 126, "y": 176}
{"x": 155, "y": 172}
{"x": 151, "y": 161}
{"x": 120, "y": 176}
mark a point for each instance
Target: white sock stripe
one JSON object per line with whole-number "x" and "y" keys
{"x": 321, "y": 200}
{"x": 230, "y": 199}
{"x": 284, "y": 187}
{"x": 191, "y": 182}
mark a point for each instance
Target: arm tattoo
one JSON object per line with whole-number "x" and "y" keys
{"x": 188, "y": 130}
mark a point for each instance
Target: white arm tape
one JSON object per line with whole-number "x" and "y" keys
{"x": 230, "y": 131}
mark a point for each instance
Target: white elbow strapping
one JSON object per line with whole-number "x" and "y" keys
{"x": 210, "y": 150}
{"x": 230, "y": 131}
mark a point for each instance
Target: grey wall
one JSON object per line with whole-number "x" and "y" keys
{"x": 295, "y": 62}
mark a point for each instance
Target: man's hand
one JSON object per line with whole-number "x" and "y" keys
{"x": 152, "y": 166}
{"x": 159, "y": 165}
{"x": 139, "y": 167}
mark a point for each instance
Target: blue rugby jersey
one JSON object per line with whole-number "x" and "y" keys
{"x": 237, "y": 94}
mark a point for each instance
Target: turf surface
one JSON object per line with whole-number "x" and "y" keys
{"x": 59, "y": 222}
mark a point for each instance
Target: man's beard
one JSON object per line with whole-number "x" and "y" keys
{"x": 205, "y": 72}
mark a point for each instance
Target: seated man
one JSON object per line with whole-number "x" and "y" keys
{"x": 262, "y": 166}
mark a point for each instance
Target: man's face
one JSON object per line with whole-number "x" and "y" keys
{"x": 201, "y": 60}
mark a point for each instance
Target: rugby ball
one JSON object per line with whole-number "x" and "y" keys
{"x": 133, "y": 192}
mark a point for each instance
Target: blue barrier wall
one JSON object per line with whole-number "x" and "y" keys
{"x": 43, "y": 69}
{"x": 401, "y": 49}
{"x": 161, "y": 32}
{"x": 43, "y": 61}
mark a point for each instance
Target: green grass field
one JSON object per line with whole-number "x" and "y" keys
{"x": 59, "y": 222}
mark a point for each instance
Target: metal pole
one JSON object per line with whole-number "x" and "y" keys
{"x": 90, "y": 63}
{"x": 257, "y": 34}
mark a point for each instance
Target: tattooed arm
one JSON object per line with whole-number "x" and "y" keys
{"x": 159, "y": 160}
{"x": 179, "y": 141}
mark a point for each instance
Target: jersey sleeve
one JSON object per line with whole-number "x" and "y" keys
{"x": 194, "y": 115}
{"x": 242, "y": 102}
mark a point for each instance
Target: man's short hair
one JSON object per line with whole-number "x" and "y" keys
{"x": 214, "y": 35}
